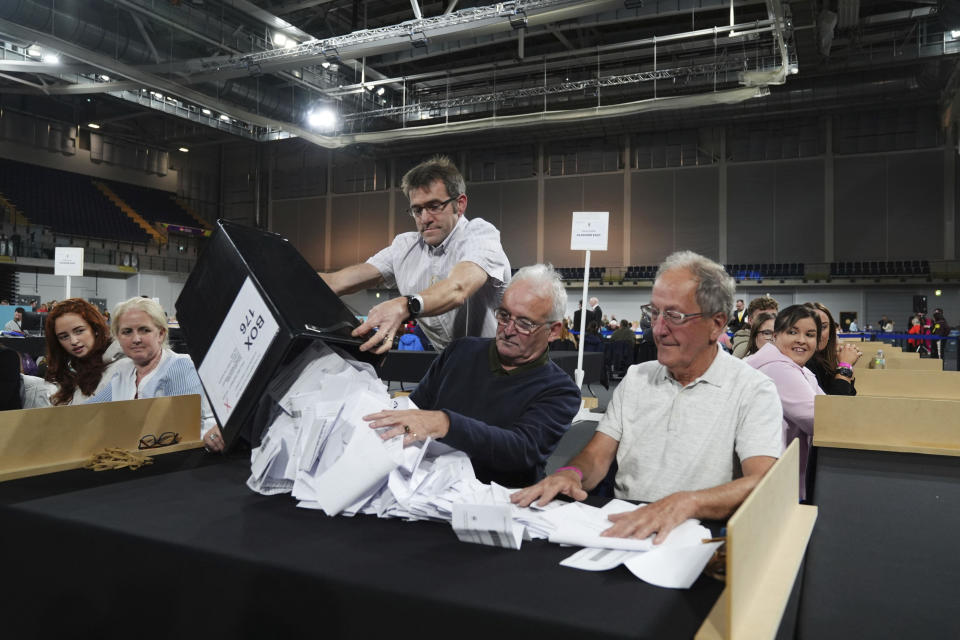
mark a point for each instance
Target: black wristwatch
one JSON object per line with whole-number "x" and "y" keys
{"x": 414, "y": 305}
{"x": 845, "y": 371}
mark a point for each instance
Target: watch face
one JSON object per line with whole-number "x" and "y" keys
{"x": 413, "y": 305}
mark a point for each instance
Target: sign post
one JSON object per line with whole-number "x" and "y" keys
{"x": 588, "y": 233}
{"x": 68, "y": 261}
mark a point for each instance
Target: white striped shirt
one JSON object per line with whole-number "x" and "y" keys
{"x": 411, "y": 265}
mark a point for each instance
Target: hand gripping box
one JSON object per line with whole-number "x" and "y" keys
{"x": 249, "y": 307}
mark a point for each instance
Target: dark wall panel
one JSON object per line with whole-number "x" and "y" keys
{"x": 696, "y": 211}
{"x": 860, "y": 208}
{"x": 651, "y": 216}
{"x": 915, "y": 205}
{"x": 518, "y": 221}
{"x": 303, "y": 222}
{"x": 344, "y": 228}
{"x": 562, "y": 196}
{"x": 751, "y": 204}
{"x": 799, "y": 217}
{"x": 605, "y": 193}
{"x": 373, "y": 220}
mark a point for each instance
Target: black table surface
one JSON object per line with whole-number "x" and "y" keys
{"x": 194, "y": 553}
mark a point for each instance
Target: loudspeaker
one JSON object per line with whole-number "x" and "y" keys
{"x": 919, "y": 304}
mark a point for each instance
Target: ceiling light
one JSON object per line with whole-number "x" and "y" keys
{"x": 290, "y": 43}
{"x": 381, "y": 91}
{"x": 51, "y": 58}
{"x": 105, "y": 78}
{"x": 325, "y": 64}
{"x": 324, "y": 119}
{"x": 34, "y": 51}
{"x": 279, "y": 39}
{"x": 224, "y": 117}
{"x": 93, "y": 125}
{"x": 955, "y": 34}
{"x": 183, "y": 149}
{"x": 206, "y": 112}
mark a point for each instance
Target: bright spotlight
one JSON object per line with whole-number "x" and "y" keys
{"x": 224, "y": 117}
{"x": 35, "y": 51}
{"x": 279, "y": 39}
{"x": 206, "y": 112}
{"x": 381, "y": 91}
{"x": 184, "y": 149}
{"x": 93, "y": 125}
{"x": 51, "y": 58}
{"x": 323, "y": 119}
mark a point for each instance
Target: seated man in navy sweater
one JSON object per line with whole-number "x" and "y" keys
{"x": 501, "y": 401}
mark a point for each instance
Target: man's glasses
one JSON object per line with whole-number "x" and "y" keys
{"x": 522, "y": 325}
{"x": 165, "y": 439}
{"x": 433, "y": 208}
{"x": 674, "y": 317}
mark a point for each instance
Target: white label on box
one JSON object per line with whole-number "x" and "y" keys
{"x": 68, "y": 261}
{"x": 589, "y": 231}
{"x": 239, "y": 346}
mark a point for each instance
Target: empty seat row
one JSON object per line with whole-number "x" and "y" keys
{"x": 881, "y": 268}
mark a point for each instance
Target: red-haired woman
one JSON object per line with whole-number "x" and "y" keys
{"x": 80, "y": 356}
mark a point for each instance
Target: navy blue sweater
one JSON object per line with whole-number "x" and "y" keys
{"x": 508, "y": 424}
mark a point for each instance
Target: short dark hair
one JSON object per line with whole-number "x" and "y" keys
{"x": 426, "y": 173}
{"x": 763, "y": 303}
{"x": 19, "y": 310}
{"x": 625, "y": 323}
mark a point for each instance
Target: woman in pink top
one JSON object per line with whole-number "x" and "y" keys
{"x": 795, "y": 333}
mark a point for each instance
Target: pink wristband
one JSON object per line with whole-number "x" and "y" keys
{"x": 845, "y": 364}
{"x": 579, "y": 473}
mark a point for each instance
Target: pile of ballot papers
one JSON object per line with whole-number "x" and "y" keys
{"x": 321, "y": 451}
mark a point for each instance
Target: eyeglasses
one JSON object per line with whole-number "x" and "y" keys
{"x": 766, "y": 334}
{"x": 675, "y": 317}
{"x": 433, "y": 208}
{"x": 522, "y": 325}
{"x": 165, "y": 439}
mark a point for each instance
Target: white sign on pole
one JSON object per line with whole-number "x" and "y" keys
{"x": 589, "y": 231}
{"x": 68, "y": 261}
{"x": 236, "y": 351}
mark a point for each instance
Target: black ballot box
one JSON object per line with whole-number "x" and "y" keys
{"x": 249, "y": 307}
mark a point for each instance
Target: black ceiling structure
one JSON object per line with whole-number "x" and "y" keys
{"x": 339, "y": 73}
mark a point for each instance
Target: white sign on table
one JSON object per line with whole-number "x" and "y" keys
{"x": 235, "y": 353}
{"x": 589, "y": 231}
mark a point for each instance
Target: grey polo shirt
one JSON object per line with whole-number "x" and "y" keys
{"x": 411, "y": 265}
{"x": 674, "y": 438}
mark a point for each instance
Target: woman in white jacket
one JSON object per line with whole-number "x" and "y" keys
{"x": 795, "y": 334}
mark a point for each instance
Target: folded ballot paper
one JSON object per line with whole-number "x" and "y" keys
{"x": 321, "y": 451}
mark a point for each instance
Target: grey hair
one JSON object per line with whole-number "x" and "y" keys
{"x": 149, "y": 307}
{"x": 546, "y": 281}
{"x": 715, "y": 288}
{"x": 426, "y": 173}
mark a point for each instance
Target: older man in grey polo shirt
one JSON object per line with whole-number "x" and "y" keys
{"x": 451, "y": 272}
{"x": 693, "y": 432}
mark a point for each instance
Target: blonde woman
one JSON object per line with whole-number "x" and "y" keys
{"x": 152, "y": 369}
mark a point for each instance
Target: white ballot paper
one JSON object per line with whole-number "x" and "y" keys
{"x": 492, "y": 525}
{"x": 321, "y": 451}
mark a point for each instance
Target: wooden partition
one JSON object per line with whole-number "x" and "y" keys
{"x": 883, "y": 562}
{"x": 38, "y": 441}
{"x": 907, "y": 383}
{"x": 766, "y": 540}
{"x": 913, "y": 364}
{"x": 919, "y": 425}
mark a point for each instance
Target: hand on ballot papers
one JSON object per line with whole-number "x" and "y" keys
{"x": 659, "y": 517}
{"x": 386, "y": 318}
{"x": 413, "y": 424}
{"x": 564, "y": 481}
{"x": 213, "y": 439}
